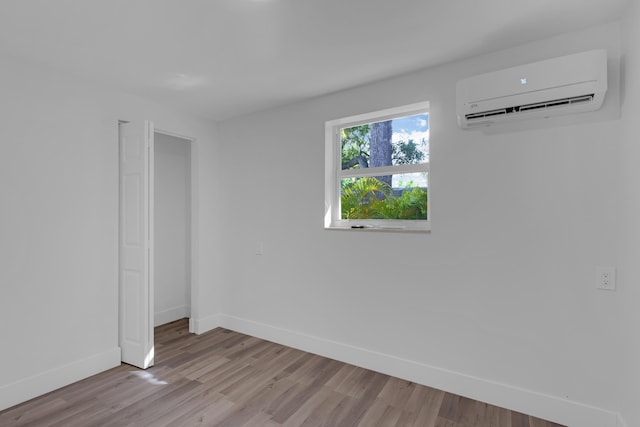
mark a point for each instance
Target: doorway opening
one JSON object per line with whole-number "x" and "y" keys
{"x": 171, "y": 228}
{"x": 144, "y": 278}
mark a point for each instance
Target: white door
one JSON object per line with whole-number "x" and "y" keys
{"x": 136, "y": 244}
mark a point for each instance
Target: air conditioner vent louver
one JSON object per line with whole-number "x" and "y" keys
{"x": 529, "y": 107}
{"x": 560, "y": 86}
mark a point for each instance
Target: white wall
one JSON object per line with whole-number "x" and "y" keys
{"x": 498, "y": 302}
{"x": 172, "y": 231}
{"x": 59, "y": 224}
{"x": 629, "y": 290}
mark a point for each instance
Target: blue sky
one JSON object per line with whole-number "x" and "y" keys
{"x": 417, "y": 123}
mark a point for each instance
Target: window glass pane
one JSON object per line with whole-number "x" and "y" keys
{"x": 403, "y": 140}
{"x": 399, "y": 196}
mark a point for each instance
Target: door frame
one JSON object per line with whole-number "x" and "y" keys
{"x": 150, "y": 131}
{"x": 192, "y": 219}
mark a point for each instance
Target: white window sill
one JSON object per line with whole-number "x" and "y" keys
{"x": 359, "y": 229}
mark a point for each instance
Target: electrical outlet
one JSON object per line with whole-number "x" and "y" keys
{"x": 606, "y": 278}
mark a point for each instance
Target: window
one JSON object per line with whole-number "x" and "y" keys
{"x": 377, "y": 170}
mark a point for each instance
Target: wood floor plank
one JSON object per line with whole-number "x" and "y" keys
{"x": 451, "y": 407}
{"x": 389, "y": 418}
{"x": 198, "y": 370}
{"x": 380, "y": 413}
{"x": 297, "y": 400}
{"x": 261, "y": 420}
{"x": 306, "y": 410}
{"x": 198, "y": 400}
{"x": 443, "y": 422}
{"x": 321, "y": 413}
{"x": 351, "y": 381}
{"x": 339, "y": 412}
{"x": 89, "y": 416}
{"x": 489, "y": 415}
{"x": 146, "y": 407}
{"x": 31, "y": 413}
{"x": 211, "y": 415}
{"x": 519, "y": 420}
{"x": 340, "y": 377}
{"x": 396, "y": 392}
{"x": 420, "y": 396}
{"x": 429, "y": 407}
{"x": 373, "y": 387}
{"x": 537, "y": 422}
{"x": 228, "y": 379}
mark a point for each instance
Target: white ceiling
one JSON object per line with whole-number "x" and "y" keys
{"x": 223, "y": 58}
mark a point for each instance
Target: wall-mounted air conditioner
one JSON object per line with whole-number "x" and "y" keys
{"x": 565, "y": 85}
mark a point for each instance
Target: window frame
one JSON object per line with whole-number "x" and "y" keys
{"x": 334, "y": 173}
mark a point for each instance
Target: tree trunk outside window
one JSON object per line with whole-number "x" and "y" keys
{"x": 381, "y": 149}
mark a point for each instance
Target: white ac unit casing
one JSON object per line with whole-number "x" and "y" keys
{"x": 565, "y": 85}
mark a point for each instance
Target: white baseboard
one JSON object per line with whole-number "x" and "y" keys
{"x": 202, "y": 325}
{"x": 552, "y": 408}
{"x": 44, "y": 382}
{"x": 166, "y": 316}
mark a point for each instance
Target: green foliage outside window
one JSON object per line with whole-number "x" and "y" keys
{"x": 370, "y": 198}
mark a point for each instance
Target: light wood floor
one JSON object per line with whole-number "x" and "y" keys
{"x": 223, "y": 378}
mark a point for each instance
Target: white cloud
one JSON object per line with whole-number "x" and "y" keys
{"x": 416, "y": 136}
